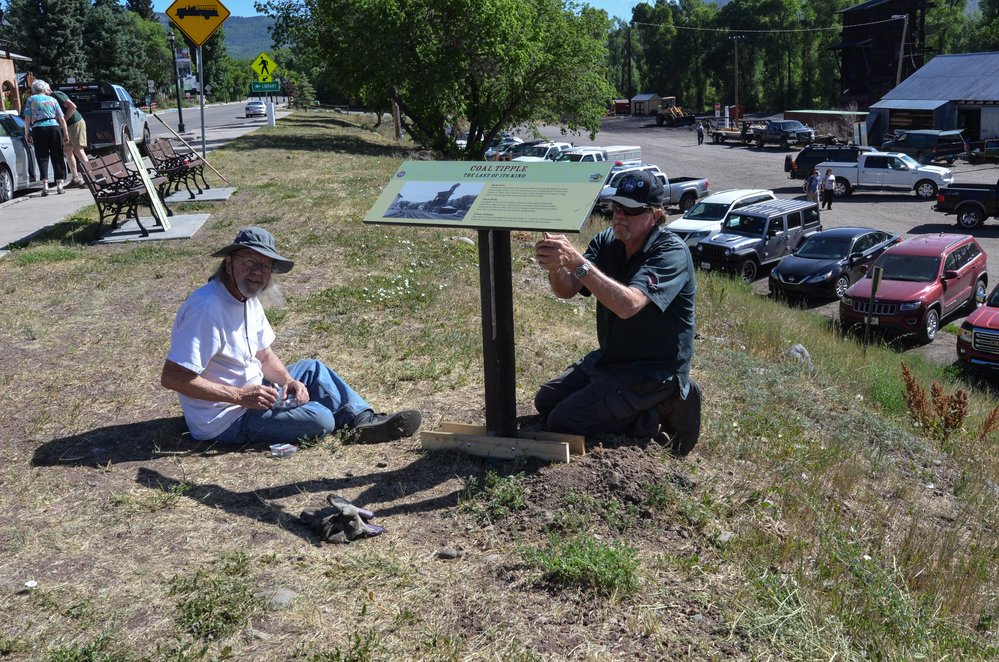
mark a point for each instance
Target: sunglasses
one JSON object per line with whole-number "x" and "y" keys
{"x": 631, "y": 211}
{"x": 252, "y": 265}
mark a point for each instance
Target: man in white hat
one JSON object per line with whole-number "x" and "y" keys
{"x": 233, "y": 388}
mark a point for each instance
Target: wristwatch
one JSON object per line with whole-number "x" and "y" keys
{"x": 582, "y": 270}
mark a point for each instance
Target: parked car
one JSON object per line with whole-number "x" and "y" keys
{"x": 18, "y": 168}
{"x": 887, "y": 171}
{"x": 682, "y": 192}
{"x": 541, "y": 152}
{"x": 494, "y": 150}
{"x": 784, "y": 132}
{"x": 929, "y": 145}
{"x": 829, "y": 261}
{"x": 925, "y": 279}
{"x": 758, "y": 235}
{"x": 987, "y": 150}
{"x": 800, "y": 166}
{"x": 973, "y": 203}
{"x": 582, "y": 155}
{"x": 705, "y": 218}
{"x": 519, "y": 149}
{"x": 978, "y": 340}
{"x": 255, "y": 108}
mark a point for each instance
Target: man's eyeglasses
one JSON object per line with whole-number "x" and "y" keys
{"x": 631, "y": 211}
{"x": 251, "y": 265}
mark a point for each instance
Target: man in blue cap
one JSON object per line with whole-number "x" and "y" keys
{"x": 638, "y": 382}
{"x": 233, "y": 387}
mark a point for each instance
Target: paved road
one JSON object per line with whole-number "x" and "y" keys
{"x": 30, "y": 213}
{"x": 734, "y": 166}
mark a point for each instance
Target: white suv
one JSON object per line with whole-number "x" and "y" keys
{"x": 705, "y": 218}
{"x": 544, "y": 152}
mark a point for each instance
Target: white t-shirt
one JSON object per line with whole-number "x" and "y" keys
{"x": 218, "y": 337}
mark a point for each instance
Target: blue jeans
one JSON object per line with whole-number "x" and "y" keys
{"x": 332, "y": 404}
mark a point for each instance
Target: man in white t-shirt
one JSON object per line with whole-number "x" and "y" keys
{"x": 233, "y": 387}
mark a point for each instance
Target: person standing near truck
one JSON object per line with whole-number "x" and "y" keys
{"x": 828, "y": 188}
{"x": 77, "y": 129}
{"x": 45, "y": 129}
{"x": 812, "y": 186}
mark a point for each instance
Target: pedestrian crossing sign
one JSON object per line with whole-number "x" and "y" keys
{"x": 265, "y": 68}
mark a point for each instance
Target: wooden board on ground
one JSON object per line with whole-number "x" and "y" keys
{"x": 159, "y": 211}
{"x": 577, "y": 442}
{"x": 475, "y": 440}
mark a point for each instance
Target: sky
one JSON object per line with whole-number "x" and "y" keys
{"x": 618, "y": 8}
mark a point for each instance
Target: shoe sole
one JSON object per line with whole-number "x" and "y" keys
{"x": 397, "y": 426}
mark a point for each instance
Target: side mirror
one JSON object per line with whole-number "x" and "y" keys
{"x": 950, "y": 275}
{"x": 856, "y": 257}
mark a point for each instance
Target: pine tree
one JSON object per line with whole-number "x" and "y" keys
{"x": 144, "y": 8}
{"x": 51, "y": 33}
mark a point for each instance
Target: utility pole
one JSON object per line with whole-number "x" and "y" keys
{"x": 738, "y": 109}
{"x": 901, "y": 46}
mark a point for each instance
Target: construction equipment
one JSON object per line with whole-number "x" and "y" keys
{"x": 671, "y": 114}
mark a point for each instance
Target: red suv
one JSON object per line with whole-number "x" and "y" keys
{"x": 978, "y": 342}
{"x": 925, "y": 279}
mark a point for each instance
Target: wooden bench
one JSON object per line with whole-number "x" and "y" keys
{"x": 178, "y": 168}
{"x": 118, "y": 190}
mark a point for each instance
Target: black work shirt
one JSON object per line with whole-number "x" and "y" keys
{"x": 658, "y": 341}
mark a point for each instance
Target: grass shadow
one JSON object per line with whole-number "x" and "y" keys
{"x": 74, "y": 231}
{"x": 131, "y": 442}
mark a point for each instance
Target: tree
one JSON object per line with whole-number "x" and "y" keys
{"x": 490, "y": 64}
{"x": 142, "y": 8}
{"x": 115, "y": 48}
{"x": 50, "y": 34}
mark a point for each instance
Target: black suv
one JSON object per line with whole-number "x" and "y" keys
{"x": 929, "y": 145}
{"x": 800, "y": 167}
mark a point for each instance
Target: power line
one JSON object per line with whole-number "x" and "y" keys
{"x": 778, "y": 31}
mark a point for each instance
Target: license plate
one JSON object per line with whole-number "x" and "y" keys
{"x": 874, "y": 321}
{"x": 705, "y": 265}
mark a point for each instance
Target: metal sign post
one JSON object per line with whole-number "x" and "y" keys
{"x": 875, "y": 283}
{"x": 201, "y": 91}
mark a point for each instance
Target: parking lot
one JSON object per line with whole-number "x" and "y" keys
{"x": 734, "y": 166}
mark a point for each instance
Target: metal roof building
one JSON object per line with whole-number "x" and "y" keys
{"x": 959, "y": 91}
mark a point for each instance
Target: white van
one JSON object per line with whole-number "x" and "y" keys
{"x": 705, "y": 218}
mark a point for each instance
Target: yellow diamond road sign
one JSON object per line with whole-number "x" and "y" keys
{"x": 197, "y": 19}
{"x": 265, "y": 67}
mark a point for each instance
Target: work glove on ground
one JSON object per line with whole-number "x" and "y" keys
{"x": 342, "y": 522}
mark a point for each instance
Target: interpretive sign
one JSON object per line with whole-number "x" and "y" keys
{"x": 491, "y": 195}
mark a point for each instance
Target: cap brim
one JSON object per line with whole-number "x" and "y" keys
{"x": 627, "y": 202}
{"x": 282, "y": 265}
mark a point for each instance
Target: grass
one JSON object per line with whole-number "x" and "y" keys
{"x": 815, "y": 519}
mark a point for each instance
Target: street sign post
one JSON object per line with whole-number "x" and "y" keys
{"x": 271, "y": 86}
{"x": 265, "y": 67}
{"x": 198, "y": 21}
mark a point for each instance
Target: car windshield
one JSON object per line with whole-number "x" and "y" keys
{"x": 909, "y": 161}
{"x": 570, "y": 156}
{"x": 753, "y": 225}
{"x": 825, "y": 248}
{"x": 706, "y": 211}
{"x": 994, "y": 299}
{"x": 792, "y": 124}
{"x": 914, "y": 268}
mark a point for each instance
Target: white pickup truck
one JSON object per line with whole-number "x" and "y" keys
{"x": 887, "y": 171}
{"x": 620, "y": 154}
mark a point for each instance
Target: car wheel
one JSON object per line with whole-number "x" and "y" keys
{"x": 147, "y": 138}
{"x": 126, "y": 135}
{"x": 6, "y": 184}
{"x": 759, "y": 142}
{"x": 841, "y": 285}
{"x": 925, "y": 189}
{"x": 950, "y": 161}
{"x": 687, "y": 201}
{"x": 748, "y": 269}
{"x": 978, "y": 295}
{"x": 843, "y": 188}
{"x": 931, "y": 324}
{"x": 969, "y": 217}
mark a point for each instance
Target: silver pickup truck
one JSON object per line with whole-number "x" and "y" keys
{"x": 111, "y": 114}
{"x": 682, "y": 192}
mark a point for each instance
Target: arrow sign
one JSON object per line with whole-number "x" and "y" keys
{"x": 265, "y": 68}
{"x": 197, "y": 19}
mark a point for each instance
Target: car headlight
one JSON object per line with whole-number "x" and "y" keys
{"x": 909, "y": 305}
{"x": 847, "y": 301}
{"x": 728, "y": 252}
{"x": 818, "y": 278}
{"x": 966, "y": 332}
